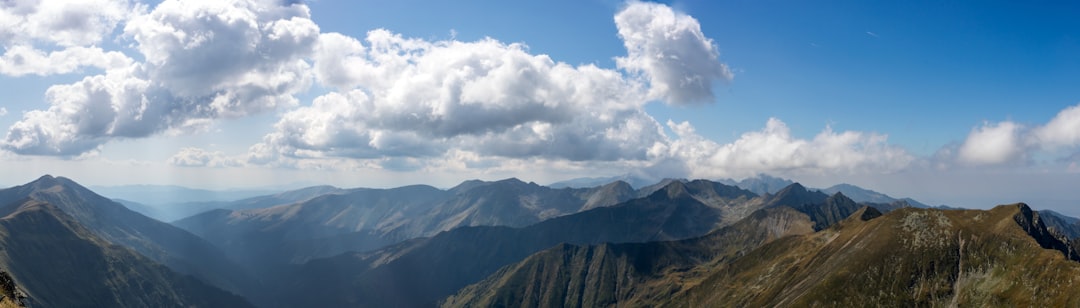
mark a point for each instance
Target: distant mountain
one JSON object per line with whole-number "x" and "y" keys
{"x": 293, "y": 232}
{"x": 365, "y": 219}
{"x": 420, "y": 272}
{"x": 860, "y": 194}
{"x": 181, "y": 251}
{"x": 1066, "y": 226}
{"x": 59, "y": 263}
{"x": 174, "y": 211}
{"x": 760, "y": 184}
{"x": 171, "y": 194}
{"x": 588, "y": 182}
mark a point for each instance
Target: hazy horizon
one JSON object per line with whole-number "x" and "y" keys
{"x": 973, "y": 105}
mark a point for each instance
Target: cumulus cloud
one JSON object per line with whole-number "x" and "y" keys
{"x": 3, "y": 111}
{"x": 60, "y": 22}
{"x": 669, "y": 49}
{"x": 774, "y": 150}
{"x": 990, "y": 144}
{"x": 59, "y": 37}
{"x": 1062, "y": 131}
{"x": 197, "y": 157}
{"x": 418, "y": 98}
{"x": 202, "y": 61}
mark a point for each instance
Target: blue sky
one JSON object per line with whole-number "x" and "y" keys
{"x": 969, "y": 103}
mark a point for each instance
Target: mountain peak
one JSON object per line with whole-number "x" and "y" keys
{"x": 793, "y": 188}
{"x": 673, "y": 190}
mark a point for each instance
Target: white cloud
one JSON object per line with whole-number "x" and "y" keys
{"x": 203, "y": 61}
{"x": 60, "y": 22}
{"x": 25, "y": 60}
{"x": 669, "y": 49}
{"x": 3, "y": 111}
{"x": 1062, "y": 131}
{"x": 991, "y": 144}
{"x": 236, "y": 57}
{"x": 418, "y": 98}
{"x": 774, "y": 150}
{"x": 197, "y": 157}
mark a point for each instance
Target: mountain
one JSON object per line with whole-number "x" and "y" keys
{"x": 420, "y": 272}
{"x": 860, "y": 194}
{"x": 59, "y": 263}
{"x": 175, "y": 211}
{"x": 609, "y": 274}
{"x": 365, "y": 219}
{"x": 1065, "y": 226}
{"x": 173, "y": 247}
{"x": 359, "y": 220}
{"x": 171, "y": 194}
{"x": 760, "y": 184}
{"x": 908, "y": 257}
{"x": 635, "y": 181}
{"x": 612, "y": 274}
{"x": 795, "y": 195}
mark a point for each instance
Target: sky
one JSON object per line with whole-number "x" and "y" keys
{"x": 962, "y": 103}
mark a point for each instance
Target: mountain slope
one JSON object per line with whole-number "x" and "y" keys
{"x": 640, "y": 274}
{"x": 422, "y": 271}
{"x": 62, "y": 264}
{"x": 1068, "y": 227}
{"x": 622, "y": 274}
{"x": 165, "y": 211}
{"x": 366, "y": 219}
{"x": 860, "y": 194}
{"x": 163, "y": 243}
{"x": 908, "y": 257}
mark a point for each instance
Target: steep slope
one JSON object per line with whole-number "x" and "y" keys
{"x": 1065, "y": 226}
{"x": 830, "y": 211}
{"x": 163, "y": 243}
{"x": 422, "y": 271}
{"x": 11, "y": 295}
{"x": 606, "y": 195}
{"x": 62, "y": 264}
{"x": 795, "y": 195}
{"x": 631, "y": 274}
{"x": 908, "y": 257}
{"x": 641, "y": 274}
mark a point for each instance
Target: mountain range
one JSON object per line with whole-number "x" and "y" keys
{"x": 512, "y": 243}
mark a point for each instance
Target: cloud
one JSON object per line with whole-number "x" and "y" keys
{"x": 25, "y": 60}
{"x": 774, "y": 150}
{"x": 991, "y": 144}
{"x": 3, "y": 111}
{"x": 1062, "y": 131}
{"x": 197, "y": 157}
{"x": 202, "y": 61}
{"x": 416, "y": 98}
{"x": 670, "y": 51}
{"x": 62, "y": 23}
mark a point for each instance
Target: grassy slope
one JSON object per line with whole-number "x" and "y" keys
{"x": 909, "y": 257}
